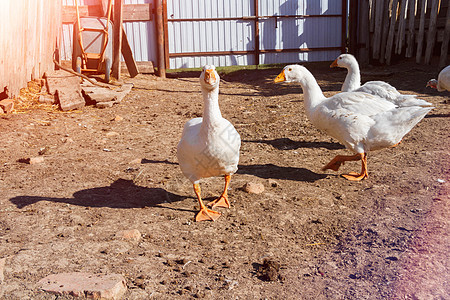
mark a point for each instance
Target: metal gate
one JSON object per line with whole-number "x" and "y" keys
{"x": 252, "y": 32}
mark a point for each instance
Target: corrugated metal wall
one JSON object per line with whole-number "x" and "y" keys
{"x": 28, "y": 34}
{"x": 227, "y": 32}
{"x": 229, "y": 25}
{"x": 187, "y": 35}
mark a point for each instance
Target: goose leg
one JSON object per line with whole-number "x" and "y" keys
{"x": 339, "y": 160}
{"x": 204, "y": 214}
{"x": 353, "y": 176}
{"x": 222, "y": 201}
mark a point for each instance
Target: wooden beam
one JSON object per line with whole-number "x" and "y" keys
{"x": 131, "y": 12}
{"x": 401, "y": 27}
{"x": 117, "y": 42}
{"x": 390, "y": 41}
{"x": 410, "y": 36}
{"x": 128, "y": 56}
{"x": 376, "y": 45}
{"x": 384, "y": 34}
{"x": 160, "y": 38}
{"x": 423, "y": 7}
{"x": 431, "y": 37}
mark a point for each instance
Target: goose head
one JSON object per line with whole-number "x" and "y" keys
{"x": 209, "y": 79}
{"x": 292, "y": 73}
{"x": 432, "y": 83}
{"x": 343, "y": 61}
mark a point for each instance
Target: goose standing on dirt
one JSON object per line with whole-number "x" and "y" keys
{"x": 209, "y": 146}
{"x": 361, "y": 121}
{"x": 382, "y": 89}
{"x": 443, "y": 82}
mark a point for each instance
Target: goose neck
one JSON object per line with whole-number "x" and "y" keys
{"x": 353, "y": 78}
{"x": 211, "y": 110}
{"x": 312, "y": 91}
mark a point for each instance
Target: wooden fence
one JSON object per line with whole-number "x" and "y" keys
{"x": 387, "y": 30}
{"x": 28, "y": 38}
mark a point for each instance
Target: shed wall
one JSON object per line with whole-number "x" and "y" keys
{"x": 28, "y": 37}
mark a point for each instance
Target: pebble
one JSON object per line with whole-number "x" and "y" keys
{"x": 254, "y": 188}
{"x": 132, "y": 235}
{"x": 78, "y": 284}
{"x": 35, "y": 160}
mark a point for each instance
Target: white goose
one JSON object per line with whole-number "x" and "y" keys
{"x": 209, "y": 146}
{"x": 383, "y": 89}
{"x": 361, "y": 121}
{"x": 443, "y": 82}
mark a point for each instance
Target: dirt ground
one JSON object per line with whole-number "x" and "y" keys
{"x": 309, "y": 235}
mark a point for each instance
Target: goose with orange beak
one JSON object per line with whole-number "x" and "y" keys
{"x": 209, "y": 146}
{"x": 361, "y": 122}
{"x": 352, "y": 83}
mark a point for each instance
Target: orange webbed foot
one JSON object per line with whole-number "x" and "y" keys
{"x": 353, "y": 176}
{"x": 207, "y": 215}
{"x": 222, "y": 201}
{"x": 333, "y": 165}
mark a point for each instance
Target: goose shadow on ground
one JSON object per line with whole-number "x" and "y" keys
{"x": 122, "y": 193}
{"x": 288, "y": 144}
{"x": 270, "y": 171}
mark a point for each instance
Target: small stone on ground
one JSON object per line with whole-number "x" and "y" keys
{"x": 97, "y": 286}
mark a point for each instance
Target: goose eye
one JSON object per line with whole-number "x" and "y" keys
{"x": 290, "y": 69}
{"x": 340, "y": 57}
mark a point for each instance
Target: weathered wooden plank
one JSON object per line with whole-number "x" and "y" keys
{"x": 423, "y": 7}
{"x": 372, "y": 15}
{"x": 128, "y": 55}
{"x": 431, "y": 36}
{"x": 401, "y": 27}
{"x": 378, "y": 28}
{"x": 391, "y": 33}
{"x": 28, "y": 34}
{"x": 445, "y": 41}
{"x": 384, "y": 35}
{"x": 131, "y": 12}
{"x": 364, "y": 34}
{"x": 410, "y": 36}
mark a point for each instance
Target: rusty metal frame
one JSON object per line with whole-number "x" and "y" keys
{"x": 255, "y": 18}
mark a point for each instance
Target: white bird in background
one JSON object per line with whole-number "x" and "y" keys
{"x": 443, "y": 82}
{"x": 209, "y": 146}
{"x": 361, "y": 121}
{"x": 382, "y": 89}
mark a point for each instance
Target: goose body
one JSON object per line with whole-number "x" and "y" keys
{"x": 362, "y": 122}
{"x": 443, "y": 81}
{"x": 209, "y": 146}
{"x": 382, "y": 89}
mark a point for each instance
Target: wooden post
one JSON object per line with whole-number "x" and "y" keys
{"x": 423, "y": 7}
{"x": 384, "y": 35}
{"x": 128, "y": 56}
{"x": 410, "y": 36}
{"x": 353, "y": 25}
{"x": 391, "y": 34}
{"x": 256, "y": 2}
{"x": 401, "y": 27}
{"x": 160, "y": 38}
{"x": 431, "y": 37}
{"x": 117, "y": 42}
{"x": 363, "y": 34}
{"x": 378, "y": 29}
{"x": 445, "y": 41}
